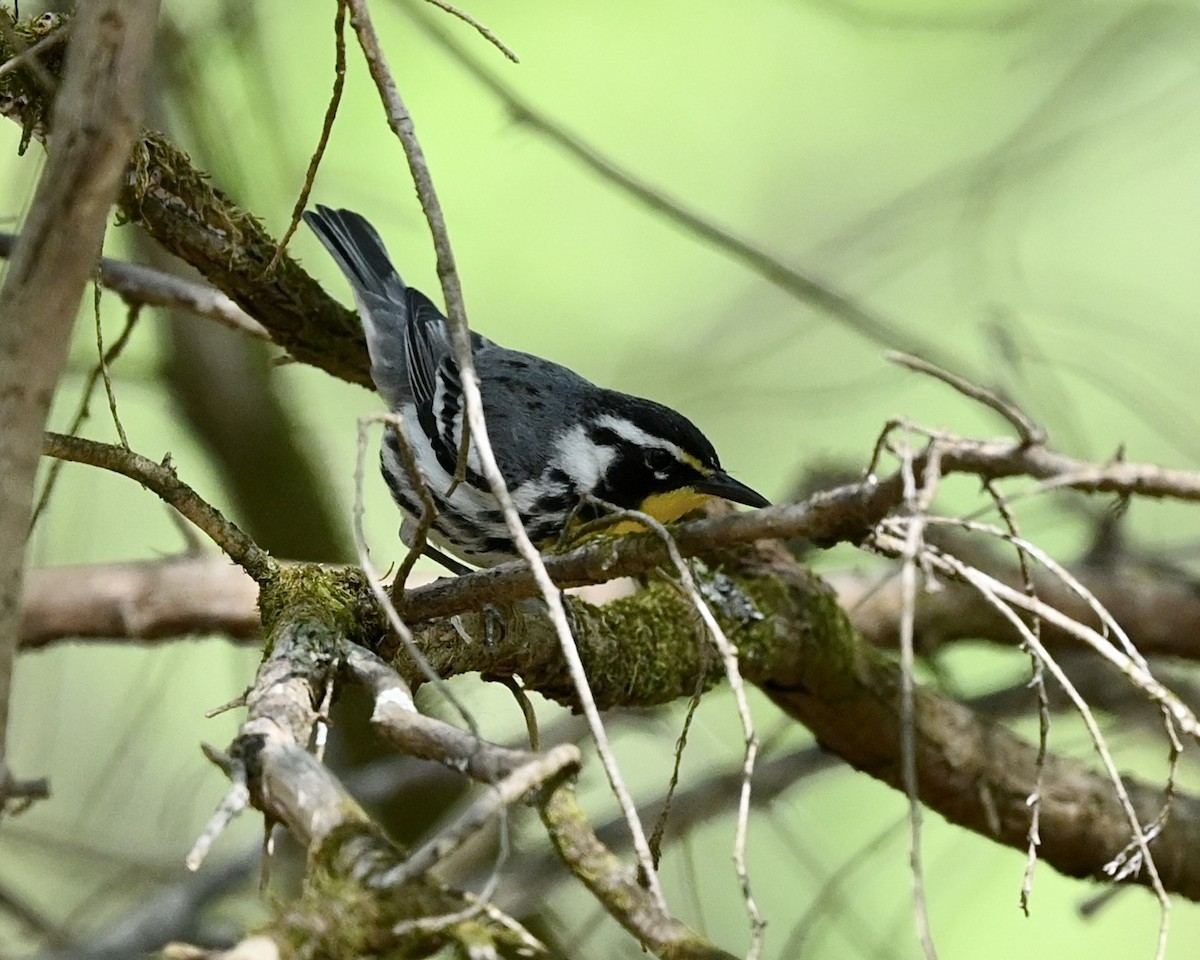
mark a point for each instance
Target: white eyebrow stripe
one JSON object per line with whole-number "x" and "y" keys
{"x": 627, "y": 430}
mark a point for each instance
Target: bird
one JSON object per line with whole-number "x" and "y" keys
{"x": 563, "y": 444}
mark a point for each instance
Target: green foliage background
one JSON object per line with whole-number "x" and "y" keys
{"x": 1014, "y": 181}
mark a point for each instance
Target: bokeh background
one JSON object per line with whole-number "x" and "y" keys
{"x": 1011, "y": 183}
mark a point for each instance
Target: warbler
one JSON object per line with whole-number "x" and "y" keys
{"x": 557, "y": 438}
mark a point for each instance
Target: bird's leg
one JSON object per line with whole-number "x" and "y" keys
{"x": 456, "y": 568}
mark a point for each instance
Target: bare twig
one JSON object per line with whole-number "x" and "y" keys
{"x": 1038, "y": 682}
{"x": 235, "y": 801}
{"x": 160, "y": 478}
{"x": 1031, "y": 433}
{"x": 506, "y": 792}
{"x": 918, "y": 501}
{"x": 335, "y": 99}
{"x": 375, "y": 581}
{"x": 482, "y": 30}
{"x": 1140, "y": 838}
{"x": 660, "y": 825}
{"x": 102, "y": 364}
{"x": 427, "y": 738}
{"x": 138, "y": 284}
{"x": 82, "y": 411}
{"x": 1128, "y": 660}
{"x": 402, "y": 125}
{"x": 729, "y": 660}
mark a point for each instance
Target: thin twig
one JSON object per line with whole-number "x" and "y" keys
{"x": 1128, "y": 659}
{"x": 483, "y": 31}
{"x": 102, "y": 363}
{"x": 918, "y": 501}
{"x": 660, "y": 825}
{"x": 402, "y": 125}
{"x": 512, "y": 789}
{"x": 235, "y": 801}
{"x": 335, "y": 99}
{"x": 1004, "y": 604}
{"x": 375, "y": 581}
{"x": 160, "y": 478}
{"x": 82, "y": 411}
{"x": 1032, "y": 434}
{"x": 729, "y": 660}
{"x": 416, "y": 481}
{"x": 138, "y": 284}
{"x": 1037, "y": 680}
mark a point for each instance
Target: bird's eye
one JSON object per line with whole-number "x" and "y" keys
{"x": 659, "y": 461}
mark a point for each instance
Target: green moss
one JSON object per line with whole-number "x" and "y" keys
{"x": 342, "y": 912}
{"x": 339, "y": 599}
{"x": 805, "y": 624}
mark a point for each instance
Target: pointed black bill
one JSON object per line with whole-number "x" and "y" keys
{"x": 721, "y": 484}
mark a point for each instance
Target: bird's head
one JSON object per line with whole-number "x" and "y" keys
{"x": 650, "y": 458}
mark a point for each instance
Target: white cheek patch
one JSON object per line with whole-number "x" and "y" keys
{"x": 582, "y": 459}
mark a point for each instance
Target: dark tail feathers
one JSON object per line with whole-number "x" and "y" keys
{"x": 358, "y": 250}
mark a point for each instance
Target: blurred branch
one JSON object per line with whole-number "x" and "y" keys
{"x": 172, "y": 912}
{"x": 95, "y": 118}
{"x": 804, "y": 287}
{"x": 233, "y": 399}
{"x": 145, "y": 600}
{"x": 138, "y": 285}
{"x": 227, "y": 389}
{"x": 15, "y": 906}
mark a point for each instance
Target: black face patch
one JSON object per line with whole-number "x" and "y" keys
{"x": 636, "y": 473}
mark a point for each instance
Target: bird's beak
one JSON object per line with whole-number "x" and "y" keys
{"x": 720, "y": 484}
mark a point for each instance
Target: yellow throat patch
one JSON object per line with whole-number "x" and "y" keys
{"x": 663, "y": 507}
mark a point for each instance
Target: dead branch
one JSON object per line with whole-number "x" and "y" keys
{"x": 291, "y": 786}
{"x": 804, "y": 287}
{"x": 162, "y": 600}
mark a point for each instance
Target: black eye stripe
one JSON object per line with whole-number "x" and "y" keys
{"x": 606, "y": 437}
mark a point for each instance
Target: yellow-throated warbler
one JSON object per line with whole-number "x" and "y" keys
{"x": 556, "y": 437}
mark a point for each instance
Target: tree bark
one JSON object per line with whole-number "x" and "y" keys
{"x": 96, "y": 115}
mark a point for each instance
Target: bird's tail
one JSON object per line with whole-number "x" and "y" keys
{"x": 382, "y": 297}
